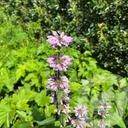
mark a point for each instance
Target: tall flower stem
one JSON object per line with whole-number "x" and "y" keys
{"x": 58, "y": 83}
{"x": 58, "y": 77}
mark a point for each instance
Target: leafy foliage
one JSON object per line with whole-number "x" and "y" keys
{"x": 24, "y": 25}
{"x": 98, "y": 26}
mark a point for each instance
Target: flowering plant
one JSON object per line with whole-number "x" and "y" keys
{"x": 59, "y": 62}
{"x": 56, "y": 40}
{"x": 58, "y": 85}
{"x": 103, "y": 112}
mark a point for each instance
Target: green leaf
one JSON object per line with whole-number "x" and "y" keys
{"x": 20, "y": 72}
{"x": 6, "y": 78}
{"x": 49, "y": 110}
{"x": 115, "y": 119}
{"x": 31, "y": 66}
{"x": 60, "y": 94}
{"x": 22, "y": 98}
{"x": 57, "y": 123}
{"x": 87, "y": 53}
{"x": 21, "y": 114}
{"x": 84, "y": 82}
{"x": 22, "y": 124}
{"x": 24, "y": 94}
{"x": 62, "y": 119}
{"x": 33, "y": 78}
{"x": 46, "y": 121}
{"x": 6, "y": 114}
{"x": 74, "y": 86}
{"x": 123, "y": 83}
{"x": 121, "y": 102}
{"x": 108, "y": 95}
{"x": 41, "y": 98}
{"x": 22, "y": 105}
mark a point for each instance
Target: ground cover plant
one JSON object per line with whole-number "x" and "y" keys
{"x": 50, "y": 79}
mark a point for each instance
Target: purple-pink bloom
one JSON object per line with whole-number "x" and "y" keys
{"x": 58, "y": 40}
{"x": 66, "y": 91}
{"x": 55, "y": 83}
{"x": 78, "y": 123}
{"x": 64, "y": 99}
{"x": 102, "y": 113}
{"x": 104, "y": 105}
{"x": 101, "y": 123}
{"x": 80, "y": 111}
{"x": 59, "y": 62}
{"x": 63, "y": 109}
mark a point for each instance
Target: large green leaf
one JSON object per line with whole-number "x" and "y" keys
{"x": 22, "y": 98}
{"x": 22, "y": 124}
{"x": 115, "y": 119}
{"x": 6, "y": 114}
{"x": 49, "y": 110}
{"x": 108, "y": 95}
{"x": 121, "y": 102}
{"x": 123, "y": 82}
{"x": 46, "y": 121}
{"x": 20, "y": 72}
{"x": 24, "y": 94}
{"x": 42, "y": 99}
{"x": 33, "y": 79}
{"x": 74, "y": 86}
{"x": 7, "y": 79}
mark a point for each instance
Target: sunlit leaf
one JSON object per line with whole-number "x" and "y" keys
{"x": 42, "y": 99}
{"x": 6, "y": 114}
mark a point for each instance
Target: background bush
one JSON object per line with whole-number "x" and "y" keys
{"x": 98, "y": 26}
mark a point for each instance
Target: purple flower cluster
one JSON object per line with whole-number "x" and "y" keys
{"x": 59, "y": 62}
{"x": 57, "y": 83}
{"x": 60, "y": 84}
{"x": 101, "y": 123}
{"x": 79, "y": 121}
{"x": 103, "y": 112}
{"x": 58, "y": 40}
{"x": 63, "y": 109}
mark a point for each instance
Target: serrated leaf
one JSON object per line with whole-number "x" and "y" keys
{"x": 74, "y": 86}
{"x": 6, "y": 114}
{"x": 7, "y": 78}
{"x": 22, "y": 105}
{"x": 31, "y": 66}
{"x": 22, "y": 98}
{"x": 123, "y": 82}
{"x": 20, "y": 72}
{"x": 21, "y": 114}
{"x": 84, "y": 82}
{"x": 33, "y": 78}
{"x": 41, "y": 98}
{"x": 49, "y": 110}
{"x": 24, "y": 94}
